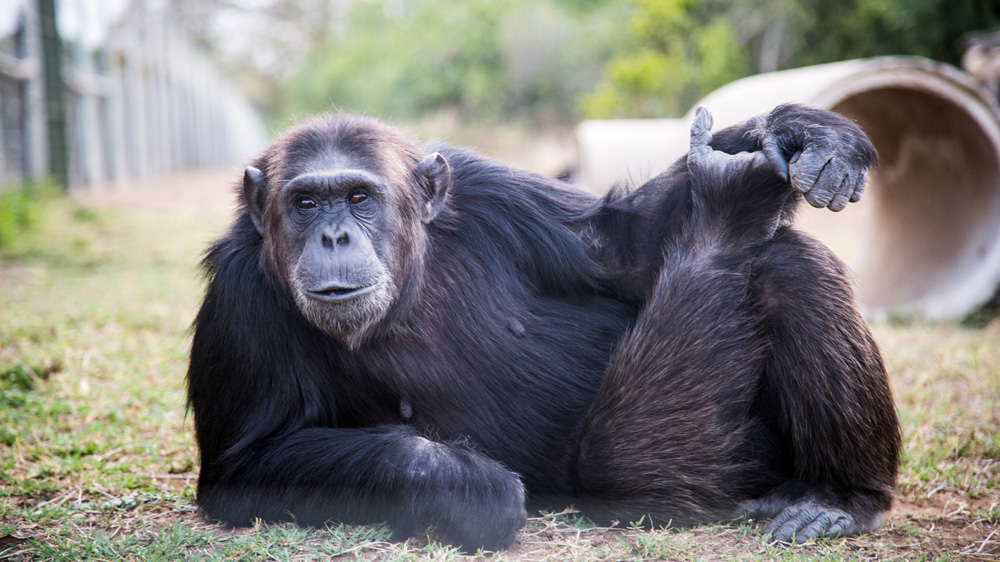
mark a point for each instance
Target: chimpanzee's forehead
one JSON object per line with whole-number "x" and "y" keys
{"x": 346, "y": 143}
{"x": 329, "y": 161}
{"x": 333, "y": 161}
{"x": 316, "y": 152}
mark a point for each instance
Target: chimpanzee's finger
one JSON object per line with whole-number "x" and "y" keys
{"x": 701, "y": 133}
{"x": 774, "y": 156}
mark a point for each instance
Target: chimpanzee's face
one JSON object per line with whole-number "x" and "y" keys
{"x": 338, "y": 225}
{"x": 342, "y": 221}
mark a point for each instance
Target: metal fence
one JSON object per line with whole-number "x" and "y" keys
{"x": 87, "y": 100}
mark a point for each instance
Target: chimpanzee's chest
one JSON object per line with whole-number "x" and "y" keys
{"x": 516, "y": 382}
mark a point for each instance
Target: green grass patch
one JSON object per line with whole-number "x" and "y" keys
{"x": 98, "y": 461}
{"x": 22, "y": 209}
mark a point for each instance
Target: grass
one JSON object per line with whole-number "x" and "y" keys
{"x": 21, "y": 207}
{"x": 97, "y": 460}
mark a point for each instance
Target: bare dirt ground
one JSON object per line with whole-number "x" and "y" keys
{"x": 182, "y": 193}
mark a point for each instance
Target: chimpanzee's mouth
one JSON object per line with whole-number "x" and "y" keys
{"x": 337, "y": 293}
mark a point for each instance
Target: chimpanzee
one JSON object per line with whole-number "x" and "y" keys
{"x": 421, "y": 336}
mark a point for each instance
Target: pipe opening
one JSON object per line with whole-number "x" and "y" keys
{"x": 931, "y": 218}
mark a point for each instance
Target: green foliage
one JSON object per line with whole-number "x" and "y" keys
{"x": 553, "y": 61}
{"x": 863, "y": 28}
{"x": 676, "y": 51}
{"x": 556, "y": 60}
{"x": 679, "y": 52}
{"x": 488, "y": 59}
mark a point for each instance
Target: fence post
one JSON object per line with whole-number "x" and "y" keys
{"x": 55, "y": 95}
{"x": 33, "y": 122}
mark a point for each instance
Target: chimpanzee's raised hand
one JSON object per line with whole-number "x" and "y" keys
{"x": 742, "y": 187}
{"x": 734, "y": 194}
{"x": 713, "y": 168}
{"x": 825, "y": 156}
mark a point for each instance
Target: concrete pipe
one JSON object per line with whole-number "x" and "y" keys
{"x": 927, "y": 235}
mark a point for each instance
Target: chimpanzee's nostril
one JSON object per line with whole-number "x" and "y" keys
{"x": 332, "y": 238}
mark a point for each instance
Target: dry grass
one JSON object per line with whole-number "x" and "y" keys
{"x": 97, "y": 460}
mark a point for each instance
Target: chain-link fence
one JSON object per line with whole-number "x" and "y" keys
{"x": 94, "y": 92}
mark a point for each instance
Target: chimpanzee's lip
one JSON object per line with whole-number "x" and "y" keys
{"x": 339, "y": 293}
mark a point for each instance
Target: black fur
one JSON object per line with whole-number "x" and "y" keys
{"x": 677, "y": 353}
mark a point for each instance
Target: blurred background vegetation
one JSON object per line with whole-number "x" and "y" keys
{"x": 141, "y": 94}
{"x": 548, "y": 61}
{"x": 121, "y": 89}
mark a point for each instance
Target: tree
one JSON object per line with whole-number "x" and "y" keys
{"x": 676, "y": 51}
{"x": 486, "y": 59}
{"x": 864, "y": 28}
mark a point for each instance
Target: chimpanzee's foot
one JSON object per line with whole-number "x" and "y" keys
{"x": 795, "y": 520}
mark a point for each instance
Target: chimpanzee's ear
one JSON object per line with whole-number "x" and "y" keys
{"x": 253, "y": 182}
{"x": 437, "y": 179}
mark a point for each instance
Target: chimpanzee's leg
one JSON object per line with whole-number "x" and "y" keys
{"x": 749, "y": 383}
{"x": 826, "y": 394}
{"x": 671, "y": 435}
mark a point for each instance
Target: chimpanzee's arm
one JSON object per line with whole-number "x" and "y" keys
{"x": 822, "y": 155}
{"x": 372, "y": 475}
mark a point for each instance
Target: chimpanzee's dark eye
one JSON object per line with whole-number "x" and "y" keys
{"x": 356, "y": 197}
{"x": 306, "y": 203}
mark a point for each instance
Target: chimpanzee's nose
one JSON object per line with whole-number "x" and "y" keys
{"x": 335, "y": 237}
